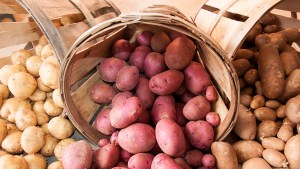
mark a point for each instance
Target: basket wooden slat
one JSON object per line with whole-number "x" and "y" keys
{"x": 11, "y": 7}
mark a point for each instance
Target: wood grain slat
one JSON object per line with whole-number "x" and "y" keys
{"x": 19, "y": 37}
{"x": 17, "y": 26}
{"x": 11, "y": 7}
{"x": 289, "y": 5}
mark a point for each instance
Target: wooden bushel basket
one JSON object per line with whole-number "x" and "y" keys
{"x": 77, "y": 79}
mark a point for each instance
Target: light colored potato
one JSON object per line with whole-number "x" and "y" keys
{"x": 57, "y": 98}
{"x": 267, "y": 128}
{"x": 12, "y": 143}
{"x": 22, "y": 85}
{"x": 264, "y": 113}
{"x": 38, "y": 49}
{"x": 46, "y": 52}
{"x": 246, "y": 99}
{"x": 4, "y": 91}
{"x": 51, "y": 108}
{"x": 11, "y": 106}
{"x": 285, "y": 132}
{"x": 50, "y": 72}
{"x": 292, "y": 151}
{"x": 25, "y": 118}
{"x": 42, "y": 86}
{"x": 245, "y": 126}
{"x": 3, "y": 130}
{"x": 33, "y": 139}
{"x": 56, "y": 165}
{"x": 257, "y": 163}
{"x": 48, "y": 149}
{"x": 38, "y": 107}
{"x": 13, "y": 162}
{"x": 247, "y": 149}
{"x": 274, "y": 158}
{"x": 60, "y": 127}
{"x": 42, "y": 118}
{"x": 7, "y": 70}
{"x": 225, "y": 155}
{"x": 258, "y": 101}
{"x": 36, "y": 161}
{"x": 33, "y": 65}
{"x": 273, "y": 143}
{"x": 45, "y": 128}
{"x": 11, "y": 128}
{"x": 3, "y": 152}
{"x": 61, "y": 146}
{"x": 287, "y": 121}
{"x": 19, "y": 57}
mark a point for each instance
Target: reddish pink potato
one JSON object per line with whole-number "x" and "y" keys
{"x": 143, "y": 92}
{"x": 163, "y": 107}
{"x": 181, "y": 90}
{"x": 179, "y": 53}
{"x": 208, "y": 160}
{"x": 121, "y": 49}
{"x": 200, "y": 134}
{"x": 110, "y": 67}
{"x": 103, "y": 142}
{"x": 127, "y": 78}
{"x": 102, "y": 93}
{"x": 194, "y": 157}
{"x": 145, "y": 117}
{"x": 103, "y": 124}
{"x": 170, "y": 137}
{"x": 196, "y": 78}
{"x": 77, "y": 155}
{"x": 121, "y": 164}
{"x": 137, "y": 57}
{"x": 186, "y": 96}
{"x": 114, "y": 138}
{"x": 154, "y": 64}
{"x": 120, "y": 98}
{"x": 182, "y": 162}
{"x": 211, "y": 94}
{"x": 196, "y": 108}
{"x": 108, "y": 156}
{"x": 180, "y": 119}
{"x": 163, "y": 161}
{"x": 159, "y": 41}
{"x": 213, "y": 118}
{"x": 125, "y": 155}
{"x": 123, "y": 115}
{"x": 140, "y": 161}
{"x": 137, "y": 138}
{"x": 174, "y": 34}
{"x": 166, "y": 83}
{"x": 144, "y": 38}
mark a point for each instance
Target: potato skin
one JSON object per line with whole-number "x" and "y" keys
{"x": 12, "y": 162}
{"x": 34, "y": 135}
{"x": 102, "y": 93}
{"x": 143, "y": 91}
{"x": 267, "y": 128}
{"x": 292, "y": 151}
{"x": 219, "y": 149}
{"x": 36, "y": 161}
{"x": 163, "y": 107}
{"x": 12, "y": 142}
{"x": 109, "y": 68}
{"x": 264, "y": 113}
{"x": 241, "y": 66}
{"x": 194, "y": 157}
{"x": 168, "y": 128}
{"x": 107, "y": 157}
{"x": 137, "y": 57}
{"x": 159, "y": 41}
{"x": 196, "y": 108}
{"x": 120, "y": 98}
{"x": 121, "y": 49}
{"x": 258, "y": 163}
{"x": 274, "y": 158}
{"x": 293, "y": 109}
{"x": 154, "y": 64}
{"x": 140, "y": 160}
{"x": 60, "y": 127}
{"x": 247, "y": 149}
{"x": 182, "y": 162}
{"x": 179, "y": 53}
{"x": 137, "y": 138}
{"x": 291, "y": 86}
{"x": 273, "y": 143}
{"x": 163, "y": 161}
{"x": 22, "y": 85}
{"x": 127, "y": 78}
{"x": 289, "y": 62}
{"x": 245, "y": 126}
{"x": 144, "y": 38}
{"x": 166, "y": 83}
{"x": 103, "y": 123}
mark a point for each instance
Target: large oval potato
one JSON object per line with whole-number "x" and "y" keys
{"x": 11, "y": 106}
{"x": 12, "y": 162}
{"x": 163, "y": 107}
{"x": 274, "y": 158}
{"x": 107, "y": 156}
{"x": 245, "y": 126}
{"x": 196, "y": 108}
{"x": 247, "y": 149}
{"x": 137, "y": 57}
{"x": 292, "y": 86}
{"x": 225, "y": 155}
{"x": 127, "y": 78}
{"x": 154, "y": 64}
{"x": 33, "y": 139}
{"x": 140, "y": 160}
{"x": 257, "y": 163}
{"x": 103, "y": 123}
{"x": 102, "y": 93}
{"x": 292, "y": 151}
{"x": 12, "y": 143}
{"x": 163, "y": 161}
{"x": 8, "y": 70}
{"x": 267, "y": 128}
{"x": 293, "y": 109}
{"x": 273, "y": 143}
{"x": 22, "y": 85}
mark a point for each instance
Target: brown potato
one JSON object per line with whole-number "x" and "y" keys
{"x": 247, "y": 90}
{"x": 267, "y": 128}
{"x": 289, "y": 62}
{"x": 292, "y": 151}
{"x": 257, "y": 102}
{"x": 160, "y": 41}
{"x": 285, "y": 132}
{"x": 219, "y": 149}
{"x": 270, "y": 28}
{"x": 247, "y": 149}
{"x": 258, "y": 88}
{"x": 244, "y": 54}
{"x": 256, "y": 30}
{"x": 280, "y": 112}
{"x": 274, "y": 158}
{"x": 267, "y": 19}
{"x": 251, "y": 76}
{"x": 287, "y": 121}
{"x": 264, "y": 113}
{"x": 245, "y": 126}
{"x": 273, "y": 143}
{"x": 258, "y": 163}
{"x": 241, "y": 66}
{"x": 246, "y": 100}
{"x": 291, "y": 34}
{"x": 273, "y": 104}
{"x": 293, "y": 109}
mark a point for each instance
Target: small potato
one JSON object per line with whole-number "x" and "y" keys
{"x": 163, "y": 107}
{"x": 196, "y": 108}
{"x": 50, "y": 72}
{"x": 51, "y": 108}
{"x": 121, "y": 49}
{"x": 121, "y": 97}
{"x": 127, "y": 78}
{"x": 247, "y": 90}
{"x": 1, "y": 101}
{"x": 3, "y": 130}
{"x": 270, "y": 28}
{"x": 42, "y": 86}
{"x": 38, "y": 49}
{"x": 12, "y": 143}
{"x": 160, "y": 41}
{"x": 179, "y": 53}
{"x": 257, "y": 102}
{"x": 107, "y": 156}
{"x": 293, "y": 109}
{"x": 211, "y": 94}
{"x": 8, "y": 70}
{"x": 186, "y": 96}
{"x": 140, "y": 160}
{"x": 45, "y": 128}
{"x": 102, "y": 93}
{"x": 256, "y": 30}
{"x": 154, "y": 64}
{"x": 208, "y": 160}
{"x": 244, "y": 54}
{"x": 103, "y": 123}
{"x": 213, "y": 118}
{"x": 56, "y": 96}
{"x": 241, "y": 66}
{"x": 60, "y": 127}
{"x": 42, "y": 118}
{"x": 200, "y": 134}
{"x": 56, "y": 165}
{"x": 285, "y": 132}
{"x": 264, "y": 113}
{"x": 258, "y": 163}
{"x": 38, "y": 95}
{"x": 289, "y": 62}
{"x": 267, "y": 128}
{"x": 22, "y": 85}
{"x": 246, "y": 100}
{"x": 25, "y": 118}
{"x": 229, "y": 160}
{"x": 137, "y": 138}
{"x": 38, "y": 107}
{"x": 194, "y": 157}
{"x": 13, "y": 162}
{"x": 43, "y": 40}
{"x": 273, "y": 143}
{"x": 280, "y": 112}
{"x": 59, "y": 148}
{"x": 163, "y": 161}
{"x": 36, "y": 161}
{"x": 245, "y": 126}
{"x": 19, "y": 57}
{"x": 46, "y": 52}
{"x": 137, "y": 57}
{"x": 242, "y": 83}
{"x": 33, "y": 139}
{"x": 4, "y": 91}
{"x": 287, "y": 121}
{"x": 292, "y": 151}
{"x": 273, "y": 104}
{"x": 196, "y": 78}
{"x": 247, "y": 149}
{"x": 11, "y": 106}
{"x": 33, "y": 65}
{"x": 102, "y": 142}
{"x": 144, "y": 38}
{"x": 274, "y": 158}
{"x": 48, "y": 149}
{"x": 143, "y": 92}
{"x": 251, "y": 76}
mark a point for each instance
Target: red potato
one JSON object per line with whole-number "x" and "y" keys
{"x": 123, "y": 115}
{"x": 127, "y": 78}
{"x": 180, "y": 119}
{"x": 213, "y": 118}
{"x": 163, "y": 107}
{"x": 159, "y": 41}
{"x": 103, "y": 124}
{"x": 144, "y": 38}
{"x": 182, "y": 162}
{"x": 143, "y": 92}
{"x": 110, "y": 67}
{"x": 179, "y": 53}
{"x": 166, "y": 83}
{"x": 114, "y": 138}
{"x": 154, "y": 64}
{"x": 137, "y": 138}
{"x": 120, "y": 98}
{"x": 140, "y": 161}
{"x": 208, "y": 160}
{"x": 186, "y": 96}
{"x": 196, "y": 108}
{"x": 200, "y": 134}
{"x": 102, "y": 93}
{"x": 211, "y": 94}
{"x": 174, "y": 34}
{"x": 125, "y": 155}
{"x": 121, "y": 49}
{"x": 165, "y": 129}
{"x": 103, "y": 142}
{"x": 77, "y": 155}
{"x": 107, "y": 157}
{"x": 145, "y": 117}
{"x": 196, "y": 78}
{"x": 163, "y": 161}
{"x": 137, "y": 57}
{"x": 194, "y": 157}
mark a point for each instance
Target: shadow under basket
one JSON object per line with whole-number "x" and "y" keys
{"x": 78, "y": 77}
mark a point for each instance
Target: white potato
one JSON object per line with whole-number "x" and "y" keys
{"x": 12, "y": 143}
{"x": 51, "y": 108}
{"x": 11, "y": 106}
{"x": 48, "y": 149}
{"x": 33, "y": 65}
{"x": 38, "y": 49}
{"x": 13, "y": 162}
{"x": 56, "y": 165}
{"x": 57, "y": 98}
{"x": 49, "y": 72}
{"x": 36, "y": 161}
{"x": 38, "y": 107}
{"x": 43, "y": 40}
{"x": 20, "y": 56}
{"x": 60, "y": 127}
{"x": 45, "y": 128}
{"x": 33, "y": 139}
{"x": 3, "y": 130}
{"x": 25, "y": 118}
{"x": 42, "y": 86}
{"x": 4, "y": 91}
{"x": 38, "y": 95}
{"x": 42, "y": 118}
{"x": 7, "y": 70}
{"x": 22, "y": 85}
{"x": 46, "y": 51}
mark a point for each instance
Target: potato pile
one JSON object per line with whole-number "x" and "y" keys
{"x": 31, "y": 125}
{"x": 266, "y": 133}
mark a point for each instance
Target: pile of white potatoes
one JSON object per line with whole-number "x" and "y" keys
{"x": 31, "y": 125}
